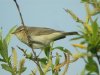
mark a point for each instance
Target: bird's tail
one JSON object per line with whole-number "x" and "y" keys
{"x": 71, "y": 33}
{"x": 64, "y": 35}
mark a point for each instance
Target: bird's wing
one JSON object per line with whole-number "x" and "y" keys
{"x": 42, "y": 31}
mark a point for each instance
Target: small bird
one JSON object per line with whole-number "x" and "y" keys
{"x": 40, "y": 37}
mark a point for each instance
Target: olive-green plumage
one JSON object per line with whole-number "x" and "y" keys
{"x": 40, "y": 37}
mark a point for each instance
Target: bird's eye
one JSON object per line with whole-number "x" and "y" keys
{"x": 21, "y": 29}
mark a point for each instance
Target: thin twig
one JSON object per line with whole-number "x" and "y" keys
{"x": 26, "y": 55}
{"x": 25, "y": 29}
{"x": 22, "y": 21}
{"x": 31, "y": 58}
{"x": 67, "y": 64}
{"x": 67, "y": 61}
{"x": 27, "y": 35}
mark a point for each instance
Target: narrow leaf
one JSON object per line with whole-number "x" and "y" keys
{"x": 63, "y": 50}
{"x": 23, "y": 69}
{"x": 57, "y": 59}
{"x": 77, "y": 38}
{"x": 43, "y": 60}
{"x": 74, "y": 16}
{"x": 6, "y": 67}
{"x": 21, "y": 66}
{"x": 95, "y": 29}
{"x": 9, "y": 35}
{"x": 0, "y": 33}
{"x": 83, "y": 72}
{"x": 14, "y": 58}
{"x": 92, "y": 66}
{"x": 47, "y": 66}
{"x": 47, "y": 51}
{"x": 4, "y": 50}
{"x": 79, "y": 46}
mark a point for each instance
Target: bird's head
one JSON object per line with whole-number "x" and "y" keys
{"x": 19, "y": 30}
{"x": 20, "y": 33}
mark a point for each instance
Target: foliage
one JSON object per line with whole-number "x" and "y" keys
{"x": 90, "y": 35}
{"x": 10, "y": 63}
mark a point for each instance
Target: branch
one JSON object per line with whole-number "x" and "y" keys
{"x": 67, "y": 63}
{"x": 25, "y": 29}
{"x": 33, "y": 59}
{"x": 22, "y": 21}
{"x": 28, "y": 36}
{"x": 27, "y": 55}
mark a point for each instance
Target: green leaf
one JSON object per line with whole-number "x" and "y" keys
{"x": 63, "y": 50}
{"x": 77, "y": 38}
{"x": 92, "y": 66}
{"x": 60, "y": 48}
{"x": 43, "y": 60}
{"x": 84, "y": 0}
{"x": 0, "y": 33}
{"x": 2, "y": 60}
{"x": 57, "y": 59}
{"x": 47, "y": 50}
{"x": 83, "y": 72}
{"x": 6, "y": 67}
{"x": 1, "y": 46}
{"x": 83, "y": 42}
{"x": 9, "y": 35}
{"x": 4, "y": 44}
{"x": 23, "y": 69}
{"x": 95, "y": 29}
{"x": 74, "y": 16}
{"x": 4, "y": 50}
